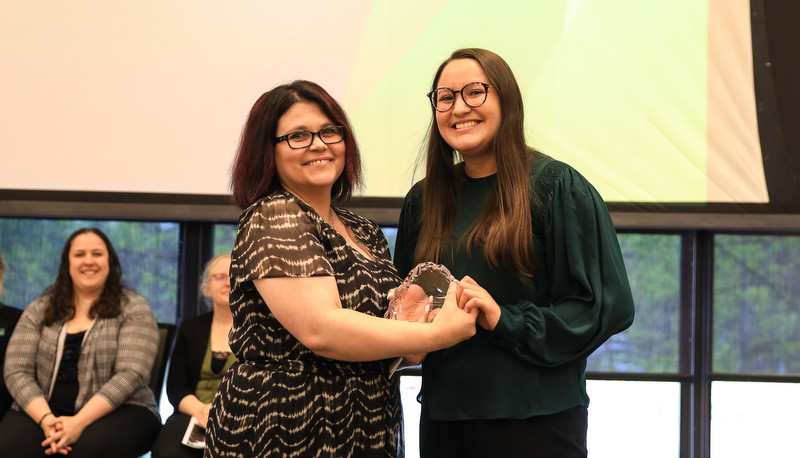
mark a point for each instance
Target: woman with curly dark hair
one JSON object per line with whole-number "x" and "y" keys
{"x": 79, "y": 361}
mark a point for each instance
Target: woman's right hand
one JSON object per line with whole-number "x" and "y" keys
{"x": 202, "y": 415}
{"x": 456, "y": 324}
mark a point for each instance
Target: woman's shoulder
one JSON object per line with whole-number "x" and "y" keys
{"x": 277, "y": 200}
{"x": 350, "y": 216}
{"x": 135, "y": 305}
{"x": 37, "y": 306}
{"x": 132, "y": 298}
{"x": 413, "y": 198}
{"x": 358, "y": 223}
{"x": 547, "y": 173}
{"x": 280, "y": 205}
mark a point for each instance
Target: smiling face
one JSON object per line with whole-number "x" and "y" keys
{"x": 308, "y": 173}
{"x": 88, "y": 263}
{"x": 468, "y": 130}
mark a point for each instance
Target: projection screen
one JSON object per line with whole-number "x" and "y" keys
{"x": 652, "y": 101}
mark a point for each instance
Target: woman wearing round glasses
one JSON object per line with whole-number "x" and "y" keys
{"x": 538, "y": 256}
{"x": 309, "y": 285}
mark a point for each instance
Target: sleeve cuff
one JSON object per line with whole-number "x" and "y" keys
{"x": 508, "y": 328}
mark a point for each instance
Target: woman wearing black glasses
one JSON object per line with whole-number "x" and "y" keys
{"x": 309, "y": 283}
{"x": 538, "y": 256}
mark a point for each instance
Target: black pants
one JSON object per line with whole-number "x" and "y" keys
{"x": 168, "y": 444}
{"x": 560, "y": 435}
{"x": 128, "y": 431}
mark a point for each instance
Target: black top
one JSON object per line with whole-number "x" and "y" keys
{"x": 8, "y": 319}
{"x": 65, "y": 390}
{"x": 187, "y": 357}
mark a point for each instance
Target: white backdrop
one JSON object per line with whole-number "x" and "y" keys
{"x": 652, "y": 101}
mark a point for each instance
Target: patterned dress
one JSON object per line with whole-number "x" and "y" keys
{"x": 280, "y": 399}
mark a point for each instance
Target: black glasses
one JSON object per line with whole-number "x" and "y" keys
{"x": 304, "y": 138}
{"x": 473, "y": 94}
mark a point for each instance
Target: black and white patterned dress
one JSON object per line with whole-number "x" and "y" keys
{"x": 280, "y": 399}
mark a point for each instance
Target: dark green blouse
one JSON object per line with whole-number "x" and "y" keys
{"x": 534, "y": 361}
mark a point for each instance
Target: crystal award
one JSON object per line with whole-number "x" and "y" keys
{"x": 423, "y": 290}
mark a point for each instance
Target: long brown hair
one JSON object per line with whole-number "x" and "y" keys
{"x": 61, "y": 295}
{"x": 253, "y": 174}
{"x": 504, "y": 227}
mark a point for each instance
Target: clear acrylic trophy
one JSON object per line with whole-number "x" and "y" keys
{"x": 423, "y": 290}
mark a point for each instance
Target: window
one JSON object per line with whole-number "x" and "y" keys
{"x": 224, "y": 237}
{"x": 756, "y": 316}
{"x": 754, "y": 419}
{"x": 651, "y": 343}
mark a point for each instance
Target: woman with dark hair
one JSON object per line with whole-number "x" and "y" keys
{"x": 539, "y": 259}
{"x": 200, "y": 359}
{"x": 79, "y": 361}
{"x": 309, "y": 285}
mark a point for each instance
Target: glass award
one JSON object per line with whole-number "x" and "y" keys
{"x": 423, "y": 290}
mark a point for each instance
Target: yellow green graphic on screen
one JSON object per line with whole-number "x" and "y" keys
{"x": 651, "y": 101}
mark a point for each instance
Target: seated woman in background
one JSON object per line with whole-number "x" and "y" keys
{"x": 200, "y": 359}
{"x": 79, "y": 361}
{"x": 8, "y": 319}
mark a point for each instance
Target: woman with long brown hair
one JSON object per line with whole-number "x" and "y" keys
{"x": 538, "y": 256}
{"x": 79, "y": 362}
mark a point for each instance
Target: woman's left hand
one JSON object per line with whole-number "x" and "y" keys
{"x": 471, "y": 295}
{"x": 50, "y": 427}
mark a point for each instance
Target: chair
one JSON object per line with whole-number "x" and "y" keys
{"x": 166, "y": 339}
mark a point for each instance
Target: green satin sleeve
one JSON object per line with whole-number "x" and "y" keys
{"x": 582, "y": 292}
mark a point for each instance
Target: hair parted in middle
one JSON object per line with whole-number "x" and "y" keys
{"x": 504, "y": 228}
{"x": 254, "y": 175}
{"x": 61, "y": 294}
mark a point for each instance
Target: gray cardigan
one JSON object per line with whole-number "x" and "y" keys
{"x": 117, "y": 356}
